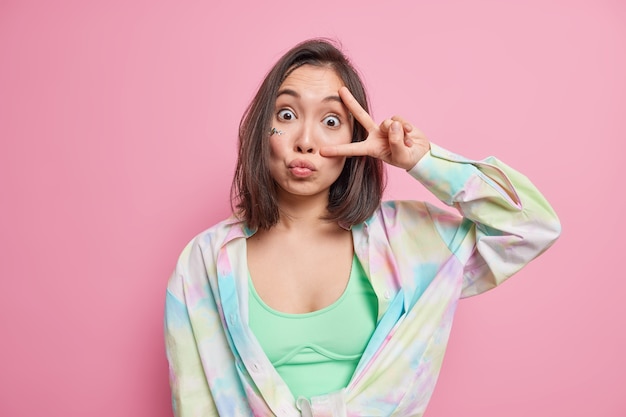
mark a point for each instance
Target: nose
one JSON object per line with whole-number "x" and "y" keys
{"x": 305, "y": 142}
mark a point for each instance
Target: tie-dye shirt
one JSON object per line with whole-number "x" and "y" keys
{"x": 420, "y": 259}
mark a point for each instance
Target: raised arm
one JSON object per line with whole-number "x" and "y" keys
{"x": 506, "y": 222}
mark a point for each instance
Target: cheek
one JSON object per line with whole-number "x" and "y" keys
{"x": 275, "y": 147}
{"x": 347, "y": 136}
{"x": 278, "y": 154}
{"x": 338, "y": 164}
{"x": 336, "y": 138}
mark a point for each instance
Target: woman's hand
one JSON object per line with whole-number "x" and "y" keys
{"x": 395, "y": 141}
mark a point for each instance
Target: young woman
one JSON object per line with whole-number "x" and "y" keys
{"x": 316, "y": 299}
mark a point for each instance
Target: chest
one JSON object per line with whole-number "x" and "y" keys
{"x": 300, "y": 276}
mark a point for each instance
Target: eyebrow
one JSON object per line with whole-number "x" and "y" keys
{"x": 293, "y": 93}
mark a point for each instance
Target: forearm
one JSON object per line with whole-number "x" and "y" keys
{"x": 512, "y": 222}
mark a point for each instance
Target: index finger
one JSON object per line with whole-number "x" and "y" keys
{"x": 357, "y": 111}
{"x": 346, "y": 149}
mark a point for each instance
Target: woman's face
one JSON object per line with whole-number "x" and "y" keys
{"x": 308, "y": 114}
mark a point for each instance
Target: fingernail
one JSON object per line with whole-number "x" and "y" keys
{"x": 395, "y": 126}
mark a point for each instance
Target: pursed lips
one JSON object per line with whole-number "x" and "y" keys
{"x": 301, "y": 167}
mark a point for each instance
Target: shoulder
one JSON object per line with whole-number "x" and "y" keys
{"x": 220, "y": 233}
{"x": 215, "y": 237}
{"x": 418, "y": 221}
{"x": 409, "y": 211}
{"x": 199, "y": 255}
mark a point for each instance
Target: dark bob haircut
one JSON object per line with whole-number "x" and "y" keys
{"x": 353, "y": 197}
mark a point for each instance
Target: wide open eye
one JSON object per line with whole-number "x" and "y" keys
{"x": 331, "y": 121}
{"x": 285, "y": 115}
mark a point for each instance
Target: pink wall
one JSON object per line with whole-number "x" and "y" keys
{"x": 117, "y": 143}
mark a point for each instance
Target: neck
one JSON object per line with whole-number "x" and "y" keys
{"x": 309, "y": 211}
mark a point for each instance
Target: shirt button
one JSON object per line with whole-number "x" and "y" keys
{"x": 387, "y": 295}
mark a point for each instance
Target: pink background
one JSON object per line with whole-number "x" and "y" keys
{"x": 118, "y": 123}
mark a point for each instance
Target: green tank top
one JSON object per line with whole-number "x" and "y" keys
{"x": 316, "y": 353}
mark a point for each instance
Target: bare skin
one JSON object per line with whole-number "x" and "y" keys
{"x": 303, "y": 263}
{"x": 300, "y": 267}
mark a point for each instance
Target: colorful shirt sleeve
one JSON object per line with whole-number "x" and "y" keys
{"x": 191, "y": 395}
{"x": 506, "y": 219}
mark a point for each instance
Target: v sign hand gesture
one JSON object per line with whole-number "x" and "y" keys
{"x": 394, "y": 141}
